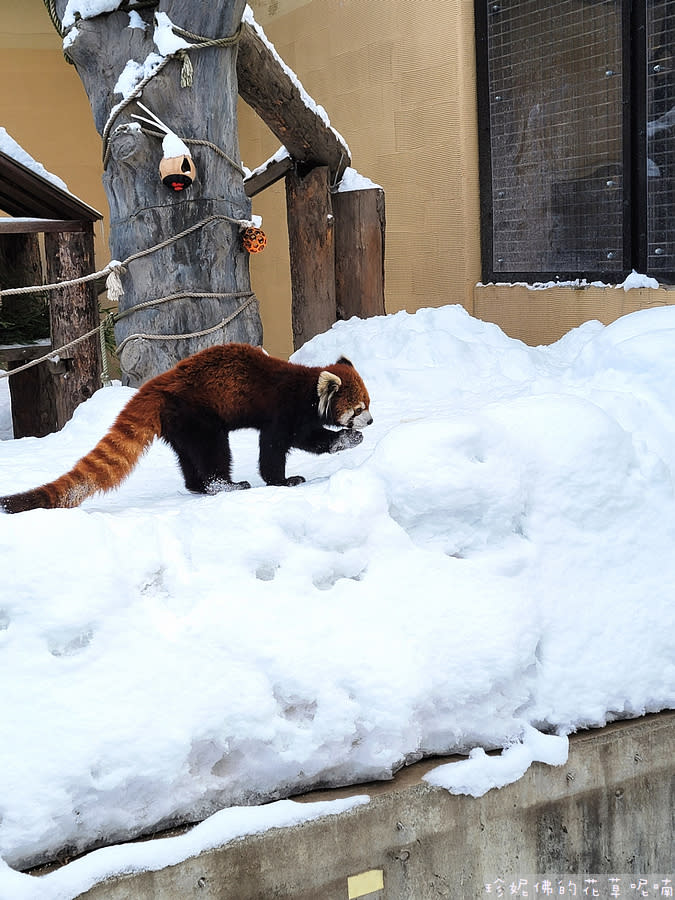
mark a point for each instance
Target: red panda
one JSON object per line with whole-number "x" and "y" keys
{"x": 195, "y": 405}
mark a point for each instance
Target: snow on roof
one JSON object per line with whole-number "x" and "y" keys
{"x": 27, "y": 189}
{"x": 9, "y": 146}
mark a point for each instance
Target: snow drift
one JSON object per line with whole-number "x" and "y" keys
{"x": 492, "y": 567}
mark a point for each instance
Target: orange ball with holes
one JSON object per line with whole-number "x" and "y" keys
{"x": 254, "y": 239}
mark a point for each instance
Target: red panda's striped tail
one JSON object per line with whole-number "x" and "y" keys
{"x": 105, "y": 467}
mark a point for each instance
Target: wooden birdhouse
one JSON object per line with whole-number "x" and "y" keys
{"x": 177, "y": 172}
{"x": 176, "y": 168}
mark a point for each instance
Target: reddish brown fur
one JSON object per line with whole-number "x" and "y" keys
{"x": 236, "y": 386}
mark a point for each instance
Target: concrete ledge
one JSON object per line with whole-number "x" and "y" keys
{"x": 610, "y": 809}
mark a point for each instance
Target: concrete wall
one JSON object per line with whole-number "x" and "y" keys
{"x": 609, "y": 810}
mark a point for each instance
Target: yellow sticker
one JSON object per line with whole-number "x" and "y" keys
{"x": 365, "y": 883}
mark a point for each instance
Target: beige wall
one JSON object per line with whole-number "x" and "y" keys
{"x": 44, "y": 107}
{"x": 397, "y": 81}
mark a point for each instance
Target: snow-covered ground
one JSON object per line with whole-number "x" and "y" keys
{"x": 492, "y": 567}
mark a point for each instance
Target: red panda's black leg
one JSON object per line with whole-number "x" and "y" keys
{"x": 201, "y": 444}
{"x": 272, "y": 459}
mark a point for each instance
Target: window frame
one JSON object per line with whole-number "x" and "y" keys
{"x": 634, "y": 157}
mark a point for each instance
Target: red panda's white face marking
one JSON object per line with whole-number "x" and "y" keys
{"x": 356, "y": 417}
{"x": 346, "y": 402}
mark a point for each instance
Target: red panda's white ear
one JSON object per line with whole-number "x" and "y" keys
{"x": 343, "y": 361}
{"x": 327, "y": 385}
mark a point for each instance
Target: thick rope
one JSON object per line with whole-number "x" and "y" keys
{"x": 53, "y": 15}
{"x": 50, "y": 355}
{"x": 114, "y": 317}
{"x": 116, "y": 110}
{"x": 126, "y": 7}
{"x": 112, "y": 270}
{"x": 200, "y": 142}
{"x": 186, "y": 80}
{"x": 115, "y": 266}
{"x": 193, "y": 334}
{"x": 201, "y": 42}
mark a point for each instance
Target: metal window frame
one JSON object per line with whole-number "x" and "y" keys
{"x": 634, "y": 155}
{"x": 640, "y": 110}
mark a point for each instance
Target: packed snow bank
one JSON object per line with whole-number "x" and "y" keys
{"x": 494, "y": 560}
{"x": 229, "y": 824}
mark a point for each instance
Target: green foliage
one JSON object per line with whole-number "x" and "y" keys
{"x": 25, "y": 322}
{"x": 109, "y": 330}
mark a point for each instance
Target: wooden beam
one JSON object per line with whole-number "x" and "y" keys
{"x": 312, "y": 254}
{"x": 359, "y": 252}
{"x": 41, "y": 226}
{"x": 24, "y": 352}
{"x": 285, "y": 107}
{"x": 265, "y": 177}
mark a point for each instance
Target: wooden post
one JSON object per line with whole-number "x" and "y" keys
{"x": 33, "y": 402}
{"x": 359, "y": 252}
{"x": 31, "y": 393}
{"x": 312, "y": 253}
{"x": 73, "y": 311}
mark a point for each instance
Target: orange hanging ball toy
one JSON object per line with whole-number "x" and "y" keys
{"x": 254, "y": 239}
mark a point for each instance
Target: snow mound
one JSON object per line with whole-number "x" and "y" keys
{"x": 491, "y": 569}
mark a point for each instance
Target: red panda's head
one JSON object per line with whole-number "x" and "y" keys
{"x": 343, "y": 398}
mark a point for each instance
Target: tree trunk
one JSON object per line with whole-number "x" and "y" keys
{"x": 73, "y": 311}
{"x": 144, "y": 212}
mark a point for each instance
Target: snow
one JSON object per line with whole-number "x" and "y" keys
{"x": 634, "y": 280}
{"x": 134, "y": 72}
{"x": 87, "y": 9}
{"x": 490, "y": 570}
{"x": 165, "y": 40}
{"x": 167, "y": 44}
{"x": 281, "y": 154}
{"x": 135, "y": 21}
{"x": 481, "y": 773}
{"x": 172, "y": 146}
{"x": 126, "y": 859}
{"x": 10, "y": 147}
{"x": 353, "y": 181}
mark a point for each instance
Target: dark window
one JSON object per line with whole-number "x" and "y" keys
{"x": 577, "y": 138}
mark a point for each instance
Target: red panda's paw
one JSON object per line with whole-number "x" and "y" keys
{"x": 220, "y": 485}
{"x": 294, "y": 480}
{"x": 345, "y": 439}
